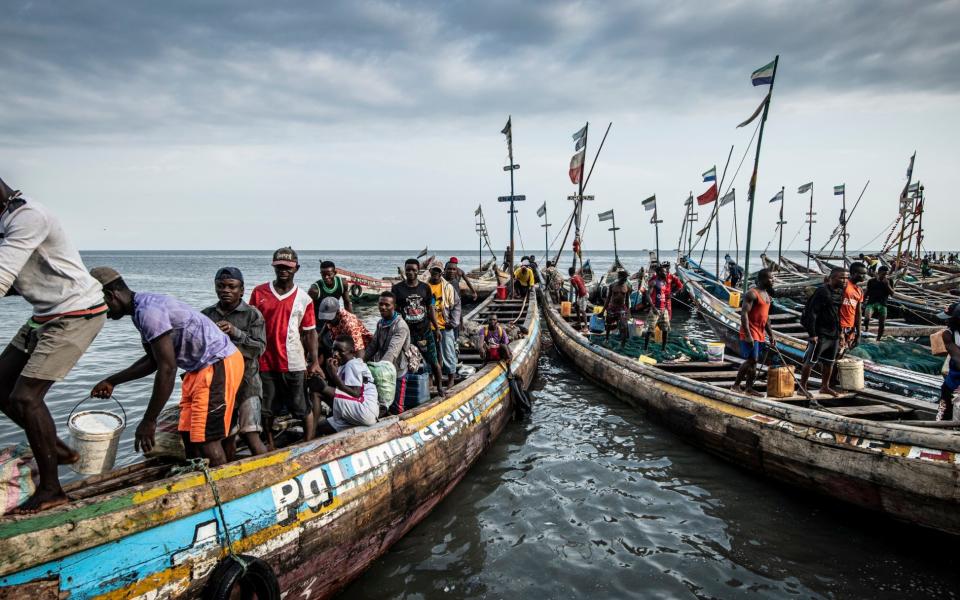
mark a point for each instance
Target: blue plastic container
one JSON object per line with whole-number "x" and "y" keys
{"x": 596, "y": 323}
{"x": 418, "y": 389}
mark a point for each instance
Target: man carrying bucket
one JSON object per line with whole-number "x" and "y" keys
{"x": 176, "y": 335}
{"x": 39, "y": 263}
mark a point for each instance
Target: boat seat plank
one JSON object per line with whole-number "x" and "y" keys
{"x": 701, "y": 375}
{"x": 870, "y": 411}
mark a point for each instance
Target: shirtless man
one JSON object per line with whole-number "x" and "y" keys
{"x": 617, "y": 307}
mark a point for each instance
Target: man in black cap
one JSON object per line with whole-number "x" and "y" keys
{"x": 951, "y": 380}
{"x": 244, "y": 325}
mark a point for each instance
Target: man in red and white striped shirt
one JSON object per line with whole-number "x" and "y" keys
{"x": 291, "y": 354}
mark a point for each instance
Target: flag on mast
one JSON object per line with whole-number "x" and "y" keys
{"x": 910, "y": 168}
{"x": 763, "y": 75}
{"x": 605, "y": 216}
{"x": 650, "y": 203}
{"x": 542, "y": 210}
{"x": 508, "y": 131}
{"x": 728, "y": 197}
{"x": 576, "y": 166}
{"x": 838, "y": 190}
{"x": 778, "y": 197}
{"x": 708, "y": 196}
{"x": 479, "y": 210}
{"x": 756, "y": 113}
{"x": 580, "y": 134}
{"x": 710, "y": 175}
{"x": 805, "y": 188}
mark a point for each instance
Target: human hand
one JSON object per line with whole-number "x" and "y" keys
{"x": 104, "y": 389}
{"x": 144, "y": 438}
{"x": 314, "y": 370}
{"x": 332, "y": 363}
{"x": 227, "y": 328}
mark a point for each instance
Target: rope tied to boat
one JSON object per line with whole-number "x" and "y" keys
{"x": 198, "y": 464}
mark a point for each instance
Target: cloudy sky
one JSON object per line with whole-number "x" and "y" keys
{"x": 185, "y": 125}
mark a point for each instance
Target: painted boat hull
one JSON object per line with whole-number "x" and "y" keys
{"x": 317, "y": 513}
{"x": 904, "y": 472}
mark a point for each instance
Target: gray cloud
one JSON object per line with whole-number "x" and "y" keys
{"x": 249, "y": 71}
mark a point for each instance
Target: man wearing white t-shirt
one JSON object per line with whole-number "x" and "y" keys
{"x": 351, "y": 389}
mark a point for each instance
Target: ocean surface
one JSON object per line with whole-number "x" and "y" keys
{"x": 584, "y": 499}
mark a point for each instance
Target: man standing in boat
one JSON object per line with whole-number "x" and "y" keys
{"x": 879, "y": 291}
{"x": 39, "y": 263}
{"x": 821, "y": 319}
{"x": 391, "y": 342}
{"x": 851, "y": 311}
{"x": 578, "y": 296}
{"x": 330, "y": 285}
{"x": 951, "y": 379}
{"x": 617, "y": 307}
{"x": 174, "y": 335}
{"x": 415, "y": 304}
{"x": 661, "y": 287}
{"x": 755, "y": 329}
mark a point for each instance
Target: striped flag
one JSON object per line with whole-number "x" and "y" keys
{"x": 763, "y": 75}
{"x": 839, "y": 190}
{"x": 728, "y": 197}
{"x": 778, "y": 197}
{"x": 605, "y": 216}
{"x": 710, "y": 175}
{"x": 542, "y": 210}
{"x": 805, "y": 188}
{"x": 910, "y": 168}
{"x": 650, "y": 203}
{"x": 576, "y": 166}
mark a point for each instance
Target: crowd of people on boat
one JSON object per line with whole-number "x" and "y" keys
{"x": 283, "y": 352}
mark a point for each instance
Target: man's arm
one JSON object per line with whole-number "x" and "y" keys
{"x": 748, "y": 302}
{"x": 26, "y": 231}
{"x": 347, "y": 302}
{"x": 371, "y": 349}
{"x": 142, "y": 367}
{"x": 952, "y": 349}
{"x": 252, "y": 342}
{"x": 395, "y": 344}
{"x": 161, "y": 349}
{"x": 311, "y": 348}
{"x": 816, "y": 305}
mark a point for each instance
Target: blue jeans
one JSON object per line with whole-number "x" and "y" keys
{"x": 448, "y": 349}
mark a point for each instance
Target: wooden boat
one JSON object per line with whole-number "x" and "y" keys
{"x": 713, "y": 303}
{"x": 364, "y": 288}
{"x": 792, "y": 265}
{"x": 871, "y": 449}
{"x": 313, "y": 515}
{"x": 790, "y": 284}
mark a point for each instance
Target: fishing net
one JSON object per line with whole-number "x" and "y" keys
{"x": 678, "y": 348}
{"x": 899, "y": 353}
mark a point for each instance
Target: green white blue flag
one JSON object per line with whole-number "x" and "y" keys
{"x": 542, "y": 210}
{"x": 605, "y": 216}
{"x": 839, "y": 190}
{"x": 763, "y": 75}
{"x": 710, "y": 175}
{"x": 805, "y": 188}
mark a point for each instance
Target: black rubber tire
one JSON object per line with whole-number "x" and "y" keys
{"x": 356, "y": 292}
{"x": 258, "y": 579}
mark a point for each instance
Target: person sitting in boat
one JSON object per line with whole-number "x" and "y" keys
{"x": 494, "y": 341}
{"x": 340, "y": 322}
{"x": 616, "y": 309}
{"x": 821, "y": 319}
{"x": 523, "y": 279}
{"x": 878, "y": 293}
{"x": 245, "y": 327}
{"x": 851, "y": 310}
{"x": 755, "y": 330}
{"x": 174, "y": 335}
{"x": 349, "y": 389}
{"x": 391, "y": 342}
{"x": 330, "y": 285}
{"x": 578, "y": 296}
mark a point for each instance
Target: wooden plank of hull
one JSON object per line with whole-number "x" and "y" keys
{"x": 318, "y": 512}
{"x": 905, "y": 472}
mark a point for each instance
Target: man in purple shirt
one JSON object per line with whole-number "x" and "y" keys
{"x": 176, "y": 335}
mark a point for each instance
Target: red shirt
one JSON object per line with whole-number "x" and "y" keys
{"x": 757, "y": 318}
{"x": 285, "y": 317}
{"x": 852, "y": 296}
{"x": 577, "y": 282}
{"x": 352, "y": 326}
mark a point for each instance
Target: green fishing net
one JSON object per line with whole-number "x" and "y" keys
{"x": 900, "y": 353}
{"x": 678, "y": 348}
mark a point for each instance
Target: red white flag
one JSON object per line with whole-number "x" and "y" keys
{"x": 708, "y": 196}
{"x": 576, "y": 166}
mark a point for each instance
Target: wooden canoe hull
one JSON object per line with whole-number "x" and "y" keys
{"x": 318, "y": 513}
{"x": 907, "y": 473}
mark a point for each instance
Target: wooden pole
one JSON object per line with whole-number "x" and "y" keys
{"x": 719, "y": 189}
{"x": 753, "y": 179}
{"x": 578, "y": 205}
{"x": 616, "y": 256}
{"x": 843, "y": 223}
{"x": 546, "y": 234}
{"x": 920, "y": 223}
{"x": 656, "y": 230}
{"x": 810, "y": 223}
{"x": 781, "y": 223}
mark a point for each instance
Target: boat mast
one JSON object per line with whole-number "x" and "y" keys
{"x": 546, "y": 234}
{"x": 810, "y": 222}
{"x": 751, "y": 192}
{"x": 692, "y": 217}
{"x": 843, "y": 223}
{"x": 578, "y": 203}
{"x": 920, "y": 208}
{"x": 780, "y": 224}
{"x": 508, "y": 131}
{"x": 905, "y": 205}
{"x": 656, "y": 229}
{"x": 614, "y": 228}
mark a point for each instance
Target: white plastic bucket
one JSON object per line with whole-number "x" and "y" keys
{"x": 95, "y": 435}
{"x": 850, "y": 374}
{"x": 715, "y": 351}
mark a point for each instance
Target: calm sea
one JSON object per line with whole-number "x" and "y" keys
{"x": 586, "y": 499}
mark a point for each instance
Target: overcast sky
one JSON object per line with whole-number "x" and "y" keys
{"x": 217, "y": 125}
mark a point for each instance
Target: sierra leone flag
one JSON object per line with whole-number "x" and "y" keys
{"x": 778, "y": 197}
{"x": 763, "y": 75}
{"x": 839, "y": 190}
{"x": 605, "y": 216}
{"x": 805, "y": 188}
{"x": 650, "y": 203}
{"x": 710, "y": 175}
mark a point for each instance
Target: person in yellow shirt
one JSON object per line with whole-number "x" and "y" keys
{"x": 445, "y": 300}
{"x": 523, "y": 279}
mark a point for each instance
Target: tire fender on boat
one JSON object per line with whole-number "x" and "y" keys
{"x": 249, "y": 574}
{"x": 355, "y": 291}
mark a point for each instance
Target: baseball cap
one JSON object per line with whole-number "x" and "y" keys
{"x": 952, "y": 311}
{"x": 435, "y": 267}
{"x": 450, "y": 264}
{"x": 328, "y": 309}
{"x": 286, "y": 257}
{"x": 229, "y": 273}
{"x": 453, "y": 259}
{"x": 105, "y": 275}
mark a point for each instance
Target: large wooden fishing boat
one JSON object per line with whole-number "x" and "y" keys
{"x": 713, "y": 303}
{"x": 363, "y": 288}
{"x": 871, "y": 449}
{"x": 306, "y": 519}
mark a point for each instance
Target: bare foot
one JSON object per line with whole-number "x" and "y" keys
{"x": 737, "y": 387}
{"x": 40, "y": 501}
{"x": 753, "y": 392}
{"x": 66, "y": 455}
{"x": 829, "y": 391}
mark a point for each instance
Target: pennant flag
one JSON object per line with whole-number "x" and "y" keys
{"x": 508, "y": 131}
{"x": 576, "y": 166}
{"x": 710, "y": 175}
{"x": 763, "y": 75}
{"x": 477, "y": 212}
{"x": 650, "y": 203}
{"x": 728, "y": 197}
{"x": 839, "y": 190}
{"x": 778, "y": 197}
{"x": 689, "y": 200}
{"x": 708, "y": 196}
{"x": 605, "y": 216}
{"x": 910, "y": 168}
{"x": 542, "y": 210}
{"x": 756, "y": 113}
{"x": 580, "y": 134}
{"x": 423, "y": 253}
{"x": 805, "y": 188}
{"x": 913, "y": 188}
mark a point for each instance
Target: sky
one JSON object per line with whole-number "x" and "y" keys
{"x": 376, "y": 125}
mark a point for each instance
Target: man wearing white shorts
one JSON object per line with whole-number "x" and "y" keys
{"x": 350, "y": 389}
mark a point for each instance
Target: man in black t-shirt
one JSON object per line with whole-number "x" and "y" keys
{"x": 879, "y": 291}
{"x": 821, "y": 319}
{"x": 415, "y": 304}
